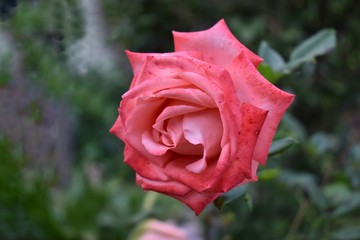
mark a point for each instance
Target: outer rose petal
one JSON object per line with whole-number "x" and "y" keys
{"x": 143, "y": 166}
{"x": 197, "y": 201}
{"x": 118, "y": 128}
{"x": 217, "y": 44}
{"x": 167, "y": 187}
{"x": 252, "y": 122}
{"x": 135, "y": 126}
{"x": 137, "y": 60}
{"x": 253, "y": 88}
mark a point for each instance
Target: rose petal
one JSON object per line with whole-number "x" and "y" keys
{"x": 231, "y": 115}
{"x": 173, "y": 110}
{"x": 253, "y": 88}
{"x": 150, "y": 87}
{"x": 241, "y": 167}
{"x": 142, "y": 165}
{"x": 198, "y": 166}
{"x": 177, "y": 108}
{"x": 174, "y": 130}
{"x": 176, "y": 170}
{"x": 145, "y": 65}
{"x": 181, "y": 145}
{"x": 162, "y": 72}
{"x": 217, "y": 44}
{"x": 191, "y": 95}
{"x": 167, "y": 187}
{"x": 153, "y": 147}
{"x": 205, "y": 128}
{"x": 118, "y": 128}
{"x": 137, "y": 60}
{"x": 220, "y": 86}
{"x": 197, "y": 201}
{"x": 148, "y": 109}
{"x": 184, "y": 147}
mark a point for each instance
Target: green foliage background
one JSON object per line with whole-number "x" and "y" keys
{"x": 309, "y": 191}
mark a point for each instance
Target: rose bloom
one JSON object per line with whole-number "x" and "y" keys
{"x": 197, "y": 122}
{"x": 158, "y": 230}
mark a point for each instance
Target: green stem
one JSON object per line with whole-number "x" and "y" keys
{"x": 149, "y": 201}
{"x": 304, "y": 204}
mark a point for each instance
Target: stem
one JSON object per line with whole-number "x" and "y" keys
{"x": 297, "y": 219}
{"x": 149, "y": 201}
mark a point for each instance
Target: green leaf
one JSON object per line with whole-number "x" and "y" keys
{"x": 269, "y": 174}
{"x": 336, "y": 193}
{"x": 318, "y": 44}
{"x": 281, "y": 145}
{"x": 307, "y": 183}
{"x": 271, "y": 57}
{"x": 350, "y": 203}
{"x": 323, "y": 142}
{"x": 268, "y": 73}
{"x": 249, "y": 201}
{"x": 347, "y": 233}
{"x": 297, "y": 129}
{"x": 230, "y": 196}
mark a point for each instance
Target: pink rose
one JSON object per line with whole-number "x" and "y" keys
{"x": 198, "y": 121}
{"x": 157, "y": 230}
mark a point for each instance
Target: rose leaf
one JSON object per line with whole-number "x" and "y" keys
{"x": 272, "y": 57}
{"x": 269, "y": 174}
{"x": 281, "y": 145}
{"x": 230, "y": 196}
{"x": 320, "y": 43}
{"x": 267, "y": 72}
{"x": 348, "y": 233}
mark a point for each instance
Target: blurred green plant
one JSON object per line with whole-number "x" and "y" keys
{"x": 275, "y": 67}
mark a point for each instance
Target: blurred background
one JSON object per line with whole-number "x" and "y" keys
{"x": 63, "y": 71}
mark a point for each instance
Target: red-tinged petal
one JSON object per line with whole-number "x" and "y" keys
{"x": 197, "y": 201}
{"x": 143, "y": 166}
{"x": 161, "y": 72}
{"x": 150, "y": 87}
{"x": 165, "y": 66}
{"x": 166, "y": 187}
{"x": 142, "y": 117}
{"x": 183, "y": 146}
{"x": 252, "y": 122}
{"x": 137, "y": 60}
{"x": 198, "y": 166}
{"x": 139, "y": 121}
{"x": 253, "y": 88}
{"x": 217, "y": 44}
{"x": 176, "y": 170}
{"x": 153, "y": 147}
{"x": 254, "y": 168}
{"x": 231, "y": 115}
{"x": 118, "y": 128}
{"x": 172, "y": 116}
{"x": 190, "y": 95}
{"x": 177, "y": 108}
{"x": 205, "y": 128}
